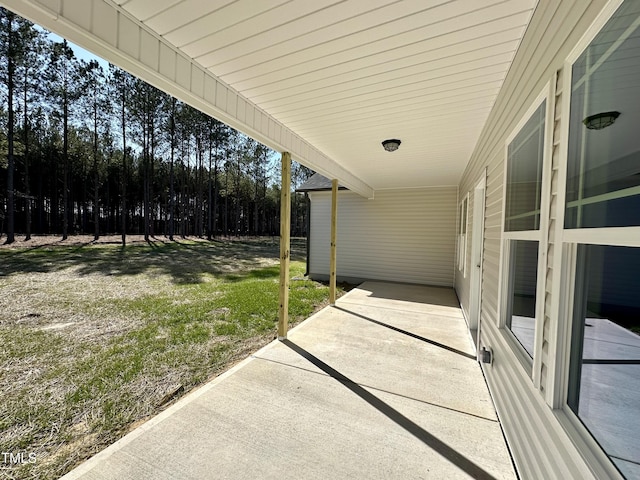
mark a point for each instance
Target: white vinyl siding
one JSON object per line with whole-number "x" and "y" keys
{"x": 401, "y": 236}
{"x": 541, "y": 443}
{"x": 551, "y": 300}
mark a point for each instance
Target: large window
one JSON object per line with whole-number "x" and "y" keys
{"x": 603, "y": 195}
{"x": 604, "y": 388}
{"x": 523, "y": 198}
{"x": 603, "y": 175}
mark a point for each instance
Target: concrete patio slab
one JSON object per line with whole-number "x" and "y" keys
{"x": 383, "y": 385}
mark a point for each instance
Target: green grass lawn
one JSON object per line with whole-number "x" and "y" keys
{"x": 94, "y": 339}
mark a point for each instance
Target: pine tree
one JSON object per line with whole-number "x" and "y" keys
{"x": 10, "y": 54}
{"x": 97, "y": 108}
{"x": 62, "y": 77}
{"x": 120, "y": 83}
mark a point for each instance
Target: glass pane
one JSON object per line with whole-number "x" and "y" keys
{"x": 605, "y": 363}
{"x": 603, "y": 175}
{"x": 524, "y": 175}
{"x": 523, "y": 281}
{"x": 463, "y": 217}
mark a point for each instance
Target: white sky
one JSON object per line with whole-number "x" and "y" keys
{"x": 80, "y": 52}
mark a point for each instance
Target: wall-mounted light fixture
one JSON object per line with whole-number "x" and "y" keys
{"x": 600, "y": 120}
{"x": 391, "y": 145}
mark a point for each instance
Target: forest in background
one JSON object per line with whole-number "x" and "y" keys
{"x": 89, "y": 150}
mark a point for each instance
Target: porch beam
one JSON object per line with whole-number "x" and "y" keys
{"x": 334, "y": 235}
{"x": 285, "y": 245}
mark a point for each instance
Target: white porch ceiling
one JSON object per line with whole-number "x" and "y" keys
{"x": 346, "y": 74}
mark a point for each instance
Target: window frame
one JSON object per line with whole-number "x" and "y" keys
{"x": 565, "y": 267}
{"x": 529, "y": 364}
{"x": 463, "y": 235}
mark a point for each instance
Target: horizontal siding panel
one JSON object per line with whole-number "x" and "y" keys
{"x": 552, "y": 233}
{"x": 555, "y": 163}
{"x": 401, "y": 235}
{"x": 553, "y": 206}
{"x": 494, "y": 209}
{"x": 534, "y": 435}
{"x": 548, "y": 288}
{"x": 554, "y": 183}
{"x": 491, "y": 286}
{"x": 556, "y": 132}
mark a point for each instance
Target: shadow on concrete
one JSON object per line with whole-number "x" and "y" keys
{"x": 407, "y": 292}
{"x": 410, "y": 334}
{"x": 462, "y": 462}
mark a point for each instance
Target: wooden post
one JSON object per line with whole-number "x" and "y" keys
{"x": 334, "y": 234}
{"x": 285, "y": 246}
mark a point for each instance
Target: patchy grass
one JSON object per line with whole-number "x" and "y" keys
{"x": 94, "y": 339}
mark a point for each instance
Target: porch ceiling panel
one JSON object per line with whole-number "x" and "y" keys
{"x": 344, "y": 75}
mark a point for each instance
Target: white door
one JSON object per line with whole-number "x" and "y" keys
{"x": 477, "y": 239}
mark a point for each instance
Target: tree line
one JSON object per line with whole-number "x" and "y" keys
{"x": 93, "y": 150}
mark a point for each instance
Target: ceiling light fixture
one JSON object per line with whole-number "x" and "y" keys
{"x": 600, "y": 120}
{"x": 391, "y": 145}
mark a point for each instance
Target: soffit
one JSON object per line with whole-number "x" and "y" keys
{"x": 346, "y": 74}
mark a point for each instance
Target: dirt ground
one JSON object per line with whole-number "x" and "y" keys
{"x": 57, "y": 312}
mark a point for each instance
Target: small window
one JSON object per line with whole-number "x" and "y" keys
{"x": 524, "y": 175}
{"x": 521, "y": 296}
{"x": 523, "y": 200}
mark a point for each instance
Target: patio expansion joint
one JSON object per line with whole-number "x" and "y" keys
{"x": 370, "y": 387}
{"x": 396, "y": 416}
{"x": 457, "y": 315}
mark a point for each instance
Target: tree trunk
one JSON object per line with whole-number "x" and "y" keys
{"x": 107, "y": 203}
{"x": 96, "y": 175}
{"x": 172, "y": 195}
{"x": 200, "y": 193}
{"x": 183, "y": 195}
{"x": 238, "y": 196}
{"x": 65, "y": 157}
{"x": 255, "y": 199}
{"x": 152, "y": 208}
{"x": 124, "y": 166}
{"x": 215, "y": 197}
{"x": 10, "y": 158}
{"x": 27, "y": 188}
{"x": 145, "y": 171}
{"x": 225, "y": 220}
{"x": 210, "y": 194}
{"x": 171, "y": 170}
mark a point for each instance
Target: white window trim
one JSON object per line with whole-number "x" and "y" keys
{"x": 617, "y": 236}
{"x": 564, "y": 268}
{"x": 533, "y": 367}
{"x": 463, "y": 237}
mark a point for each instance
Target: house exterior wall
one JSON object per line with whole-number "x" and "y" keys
{"x": 529, "y": 396}
{"x": 402, "y": 235}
